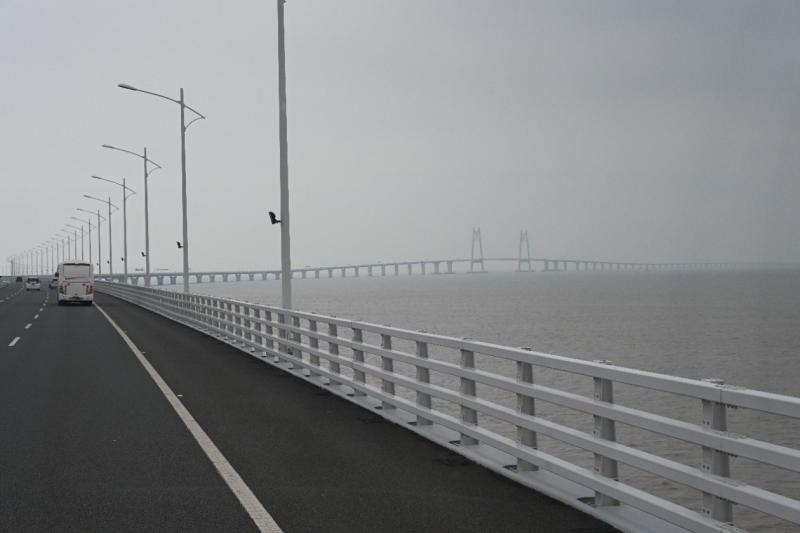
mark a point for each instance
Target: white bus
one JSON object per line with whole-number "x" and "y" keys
{"x": 75, "y": 283}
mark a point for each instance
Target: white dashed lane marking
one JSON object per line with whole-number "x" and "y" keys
{"x": 35, "y": 317}
{"x": 28, "y": 326}
{"x": 15, "y": 341}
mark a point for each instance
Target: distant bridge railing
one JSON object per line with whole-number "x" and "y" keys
{"x": 424, "y": 266}
{"x": 431, "y": 385}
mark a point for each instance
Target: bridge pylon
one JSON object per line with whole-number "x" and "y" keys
{"x": 524, "y": 259}
{"x": 476, "y": 259}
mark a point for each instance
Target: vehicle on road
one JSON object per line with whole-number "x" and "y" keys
{"x": 75, "y": 283}
{"x": 33, "y": 284}
{"x": 53, "y": 283}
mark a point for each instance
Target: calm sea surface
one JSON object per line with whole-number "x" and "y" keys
{"x": 739, "y": 326}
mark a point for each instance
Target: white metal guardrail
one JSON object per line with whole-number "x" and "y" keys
{"x": 332, "y": 352}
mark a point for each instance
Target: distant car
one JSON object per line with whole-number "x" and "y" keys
{"x": 19, "y": 279}
{"x": 53, "y": 283}
{"x": 33, "y": 284}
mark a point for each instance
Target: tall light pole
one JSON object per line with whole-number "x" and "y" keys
{"x": 89, "y": 224}
{"x": 184, "y": 127}
{"x": 83, "y": 245}
{"x": 147, "y": 173}
{"x": 125, "y": 197}
{"x": 65, "y": 232}
{"x": 99, "y": 245}
{"x": 110, "y": 248}
{"x": 286, "y": 262}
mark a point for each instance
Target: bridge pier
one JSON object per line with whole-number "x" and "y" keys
{"x": 304, "y": 272}
{"x": 224, "y": 278}
{"x": 383, "y": 271}
{"x": 422, "y": 265}
{"x": 316, "y": 274}
{"x": 357, "y": 270}
{"x": 198, "y": 278}
{"x": 450, "y": 267}
{"x": 251, "y": 276}
{"x": 173, "y": 280}
{"x": 396, "y": 269}
{"x": 436, "y": 267}
{"x": 409, "y": 268}
{"x": 369, "y": 270}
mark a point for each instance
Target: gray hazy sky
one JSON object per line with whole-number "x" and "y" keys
{"x": 628, "y": 130}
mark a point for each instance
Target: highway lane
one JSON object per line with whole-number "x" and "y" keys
{"x": 87, "y": 441}
{"x": 18, "y": 309}
{"x": 319, "y": 463}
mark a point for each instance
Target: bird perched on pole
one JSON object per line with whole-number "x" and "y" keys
{"x": 273, "y": 218}
{"x": 143, "y": 255}
{"x": 179, "y": 244}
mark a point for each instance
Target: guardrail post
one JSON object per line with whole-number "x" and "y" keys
{"x": 259, "y": 337}
{"x": 237, "y": 319}
{"x": 333, "y": 349}
{"x": 295, "y": 336}
{"x": 313, "y": 342}
{"x": 423, "y": 376}
{"x": 387, "y": 365}
{"x": 270, "y": 332}
{"x": 358, "y": 357}
{"x": 248, "y": 324}
{"x": 526, "y": 406}
{"x": 604, "y": 428}
{"x": 282, "y": 348}
{"x": 469, "y": 416}
{"x": 714, "y": 461}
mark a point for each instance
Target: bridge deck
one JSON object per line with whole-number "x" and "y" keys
{"x": 89, "y": 443}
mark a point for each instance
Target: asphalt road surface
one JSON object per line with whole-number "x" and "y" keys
{"x": 89, "y": 442}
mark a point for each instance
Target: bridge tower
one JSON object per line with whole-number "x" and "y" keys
{"x": 526, "y": 258}
{"x": 476, "y": 239}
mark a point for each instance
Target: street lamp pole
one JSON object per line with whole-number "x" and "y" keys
{"x": 286, "y": 262}
{"x": 125, "y": 195}
{"x": 147, "y": 173}
{"x": 110, "y": 248}
{"x": 99, "y": 246}
{"x": 83, "y": 244}
{"x": 184, "y": 126}
{"x": 88, "y": 222}
{"x": 67, "y": 250}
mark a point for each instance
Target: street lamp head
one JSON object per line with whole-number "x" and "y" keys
{"x": 126, "y": 86}
{"x": 109, "y": 147}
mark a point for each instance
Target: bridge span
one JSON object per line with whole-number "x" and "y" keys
{"x": 414, "y": 267}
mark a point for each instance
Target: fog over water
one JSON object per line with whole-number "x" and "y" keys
{"x": 639, "y": 131}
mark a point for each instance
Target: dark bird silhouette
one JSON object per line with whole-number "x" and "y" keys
{"x": 179, "y": 244}
{"x": 122, "y": 259}
{"x": 143, "y": 255}
{"x": 273, "y": 218}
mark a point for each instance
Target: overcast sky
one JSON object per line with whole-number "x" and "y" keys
{"x": 624, "y": 130}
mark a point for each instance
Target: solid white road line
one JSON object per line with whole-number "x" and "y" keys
{"x": 28, "y": 326}
{"x": 15, "y": 341}
{"x": 263, "y": 520}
